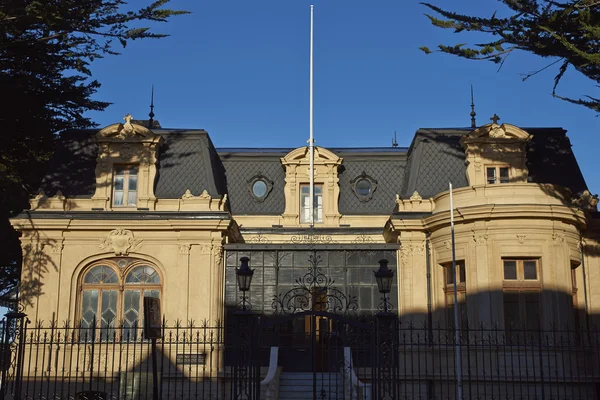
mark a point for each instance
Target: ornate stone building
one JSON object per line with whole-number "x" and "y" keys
{"x": 127, "y": 212}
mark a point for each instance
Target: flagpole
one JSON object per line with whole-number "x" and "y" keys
{"x": 310, "y": 140}
{"x": 456, "y": 329}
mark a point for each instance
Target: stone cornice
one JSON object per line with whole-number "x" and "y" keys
{"x": 100, "y": 220}
{"x": 507, "y": 211}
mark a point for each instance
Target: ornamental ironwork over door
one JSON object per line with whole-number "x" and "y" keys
{"x": 323, "y": 348}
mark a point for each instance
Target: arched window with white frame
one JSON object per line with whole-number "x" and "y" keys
{"x": 113, "y": 291}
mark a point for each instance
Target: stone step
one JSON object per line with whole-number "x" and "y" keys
{"x": 299, "y": 385}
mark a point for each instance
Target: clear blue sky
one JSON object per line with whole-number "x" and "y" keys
{"x": 239, "y": 69}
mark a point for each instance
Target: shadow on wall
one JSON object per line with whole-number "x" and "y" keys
{"x": 39, "y": 255}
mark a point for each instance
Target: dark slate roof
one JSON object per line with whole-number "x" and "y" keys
{"x": 550, "y": 159}
{"x": 435, "y": 158}
{"x": 241, "y": 167}
{"x": 72, "y": 169}
{"x": 385, "y": 165}
{"x": 387, "y": 168}
{"x": 187, "y": 160}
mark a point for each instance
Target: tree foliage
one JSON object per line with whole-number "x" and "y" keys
{"x": 567, "y": 32}
{"x": 46, "y": 51}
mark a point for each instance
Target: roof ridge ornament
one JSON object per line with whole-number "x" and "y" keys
{"x": 495, "y": 118}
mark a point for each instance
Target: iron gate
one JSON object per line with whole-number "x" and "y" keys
{"x": 325, "y": 350}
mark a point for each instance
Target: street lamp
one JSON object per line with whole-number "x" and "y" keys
{"x": 244, "y": 278}
{"x": 384, "y": 277}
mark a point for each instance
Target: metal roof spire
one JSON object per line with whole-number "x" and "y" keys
{"x": 151, "y": 114}
{"x": 473, "y": 113}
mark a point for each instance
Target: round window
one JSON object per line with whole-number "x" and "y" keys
{"x": 259, "y": 188}
{"x": 363, "y": 187}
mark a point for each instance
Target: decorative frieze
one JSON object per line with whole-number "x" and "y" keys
{"x": 360, "y": 239}
{"x": 260, "y": 238}
{"x": 312, "y": 239}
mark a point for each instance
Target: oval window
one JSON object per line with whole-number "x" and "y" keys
{"x": 363, "y": 187}
{"x": 259, "y": 188}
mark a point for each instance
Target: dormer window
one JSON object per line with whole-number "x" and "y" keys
{"x": 305, "y": 204}
{"x": 125, "y": 186}
{"x": 497, "y": 174}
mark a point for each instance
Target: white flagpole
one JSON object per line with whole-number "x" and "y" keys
{"x": 310, "y": 140}
{"x": 456, "y": 329}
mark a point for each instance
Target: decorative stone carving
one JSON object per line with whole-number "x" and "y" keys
{"x": 558, "y": 238}
{"x": 57, "y": 248}
{"x": 187, "y": 195}
{"x": 521, "y": 238}
{"x": 415, "y": 203}
{"x": 480, "y": 239}
{"x": 416, "y": 196}
{"x": 494, "y": 144}
{"x": 217, "y": 250}
{"x": 184, "y": 249}
{"x": 448, "y": 244}
{"x": 205, "y": 249}
{"x": 126, "y": 152}
{"x": 121, "y": 241}
{"x": 586, "y": 200}
{"x": 203, "y": 202}
{"x": 409, "y": 249}
{"x": 497, "y": 132}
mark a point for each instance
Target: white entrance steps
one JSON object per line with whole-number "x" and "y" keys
{"x": 299, "y": 385}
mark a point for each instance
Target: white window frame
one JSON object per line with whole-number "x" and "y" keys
{"x": 126, "y": 193}
{"x": 305, "y": 204}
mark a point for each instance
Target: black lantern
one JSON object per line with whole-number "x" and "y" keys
{"x": 244, "y": 275}
{"x": 384, "y": 277}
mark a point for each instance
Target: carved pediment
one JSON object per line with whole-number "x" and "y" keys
{"x": 495, "y": 145}
{"x": 494, "y": 132}
{"x": 301, "y": 155}
{"x": 126, "y": 131}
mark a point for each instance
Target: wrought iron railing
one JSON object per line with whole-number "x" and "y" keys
{"x": 197, "y": 361}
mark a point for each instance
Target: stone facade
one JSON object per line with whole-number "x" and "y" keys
{"x": 186, "y": 239}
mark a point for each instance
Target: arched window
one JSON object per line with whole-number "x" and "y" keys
{"x": 113, "y": 293}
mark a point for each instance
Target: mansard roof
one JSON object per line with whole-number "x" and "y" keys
{"x": 188, "y": 160}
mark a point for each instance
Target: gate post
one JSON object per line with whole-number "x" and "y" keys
{"x": 386, "y": 360}
{"x": 245, "y": 377}
{"x": 14, "y": 330}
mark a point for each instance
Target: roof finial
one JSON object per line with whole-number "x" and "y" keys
{"x": 394, "y": 141}
{"x": 473, "y": 113}
{"x": 495, "y": 119}
{"x": 151, "y": 114}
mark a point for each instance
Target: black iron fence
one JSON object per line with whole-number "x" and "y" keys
{"x": 196, "y": 361}
{"x": 112, "y": 362}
